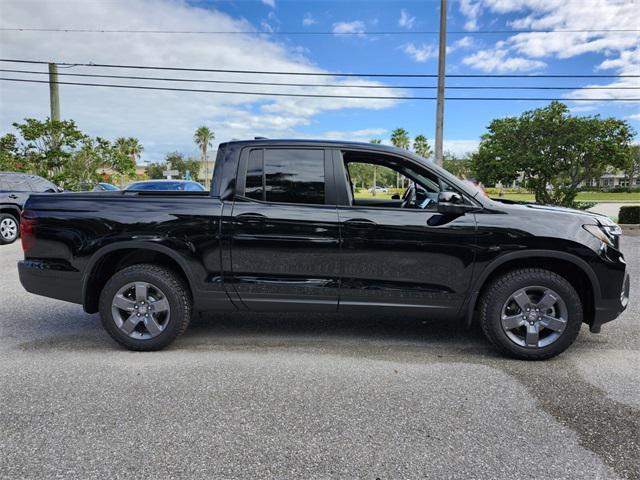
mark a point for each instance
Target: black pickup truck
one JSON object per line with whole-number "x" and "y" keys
{"x": 281, "y": 230}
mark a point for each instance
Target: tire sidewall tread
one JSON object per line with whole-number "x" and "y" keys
{"x": 499, "y": 291}
{"x": 173, "y": 287}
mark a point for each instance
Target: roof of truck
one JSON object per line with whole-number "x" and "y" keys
{"x": 316, "y": 142}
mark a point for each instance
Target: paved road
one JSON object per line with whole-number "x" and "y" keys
{"x": 612, "y": 209}
{"x": 282, "y": 396}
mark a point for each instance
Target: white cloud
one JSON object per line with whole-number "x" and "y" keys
{"x": 357, "y": 26}
{"x": 628, "y": 63}
{"x": 362, "y": 135}
{"x": 635, "y": 116}
{"x": 308, "y": 20}
{"x": 271, "y": 23}
{"x": 270, "y": 3}
{"x": 471, "y": 10}
{"x": 164, "y": 121}
{"x": 461, "y": 44}
{"x": 588, "y": 21}
{"x": 421, "y": 53}
{"x": 406, "y": 20}
{"x": 499, "y": 61}
{"x": 458, "y": 147}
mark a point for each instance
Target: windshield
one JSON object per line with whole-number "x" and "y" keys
{"x": 108, "y": 186}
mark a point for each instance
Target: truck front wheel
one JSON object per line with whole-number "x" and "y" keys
{"x": 531, "y": 313}
{"x": 145, "y": 307}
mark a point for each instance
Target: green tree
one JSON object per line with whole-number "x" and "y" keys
{"x": 10, "y": 160}
{"x": 553, "y": 151}
{"x": 59, "y": 151}
{"x": 400, "y": 139}
{"x": 131, "y": 147}
{"x": 177, "y": 161}
{"x": 47, "y": 145}
{"x": 460, "y": 167}
{"x": 632, "y": 166}
{"x": 374, "y": 183}
{"x": 182, "y": 164}
{"x": 204, "y": 139}
{"x": 421, "y": 146}
{"x": 154, "y": 170}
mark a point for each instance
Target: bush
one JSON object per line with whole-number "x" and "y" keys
{"x": 629, "y": 215}
{"x": 584, "y": 205}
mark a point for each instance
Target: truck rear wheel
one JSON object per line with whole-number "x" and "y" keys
{"x": 531, "y": 313}
{"x": 145, "y": 307}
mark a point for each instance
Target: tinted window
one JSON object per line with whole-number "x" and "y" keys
{"x": 15, "y": 183}
{"x": 254, "y": 183}
{"x": 40, "y": 184}
{"x": 294, "y": 176}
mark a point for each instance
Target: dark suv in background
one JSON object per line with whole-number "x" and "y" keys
{"x": 15, "y": 188}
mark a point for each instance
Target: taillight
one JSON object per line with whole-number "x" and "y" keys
{"x": 26, "y": 232}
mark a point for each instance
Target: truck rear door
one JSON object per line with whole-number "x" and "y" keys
{"x": 285, "y": 249}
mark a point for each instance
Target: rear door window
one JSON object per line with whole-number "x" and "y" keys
{"x": 286, "y": 175}
{"x": 15, "y": 183}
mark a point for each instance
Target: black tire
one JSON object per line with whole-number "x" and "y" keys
{"x": 177, "y": 295}
{"x": 499, "y": 292}
{"x": 10, "y": 226}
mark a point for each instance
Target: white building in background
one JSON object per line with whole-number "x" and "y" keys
{"x": 201, "y": 177}
{"x": 607, "y": 181}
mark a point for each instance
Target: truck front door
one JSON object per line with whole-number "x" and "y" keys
{"x": 398, "y": 252}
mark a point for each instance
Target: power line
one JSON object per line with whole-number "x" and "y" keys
{"x": 304, "y": 32}
{"x": 309, "y": 95}
{"x": 319, "y": 74}
{"x": 325, "y": 85}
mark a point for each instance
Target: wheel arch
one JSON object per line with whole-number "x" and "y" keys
{"x": 572, "y": 268}
{"x": 11, "y": 210}
{"x": 113, "y": 258}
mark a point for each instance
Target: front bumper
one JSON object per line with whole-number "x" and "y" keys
{"x": 51, "y": 279}
{"x": 608, "y": 310}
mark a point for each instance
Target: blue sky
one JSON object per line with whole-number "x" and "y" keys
{"x": 165, "y": 121}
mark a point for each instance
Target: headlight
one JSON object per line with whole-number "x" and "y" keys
{"x": 612, "y": 230}
{"x": 599, "y": 233}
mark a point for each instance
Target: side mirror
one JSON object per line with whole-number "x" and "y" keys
{"x": 452, "y": 203}
{"x": 395, "y": 196}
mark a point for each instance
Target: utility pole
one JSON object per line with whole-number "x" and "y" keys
{"x": 442, "y": 53}
{"x": 54, "y": 96}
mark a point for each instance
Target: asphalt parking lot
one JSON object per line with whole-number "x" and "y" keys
{"x": 326, "y": 396}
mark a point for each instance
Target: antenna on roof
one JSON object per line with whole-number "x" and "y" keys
{"x": 260, "y": 138}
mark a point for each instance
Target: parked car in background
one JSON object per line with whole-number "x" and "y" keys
{"x": 379, "y": 190}
{"x": 98, "y": 187}
{"x": 15, "y": 188}
{"x": 167, "y": 185}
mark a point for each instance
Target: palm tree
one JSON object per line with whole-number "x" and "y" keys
{"x": 421, "y": 146}
{"x": 204, "y": 139}
{"x": 375, "y": 141}
{"x": 131, "y": 146}
{"x": 400, "y": 139}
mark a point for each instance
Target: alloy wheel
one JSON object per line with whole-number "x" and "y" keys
{"x": 140, "y": 310}
{"x": 534, "y": 317}
{"x": 8, "y": 229}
